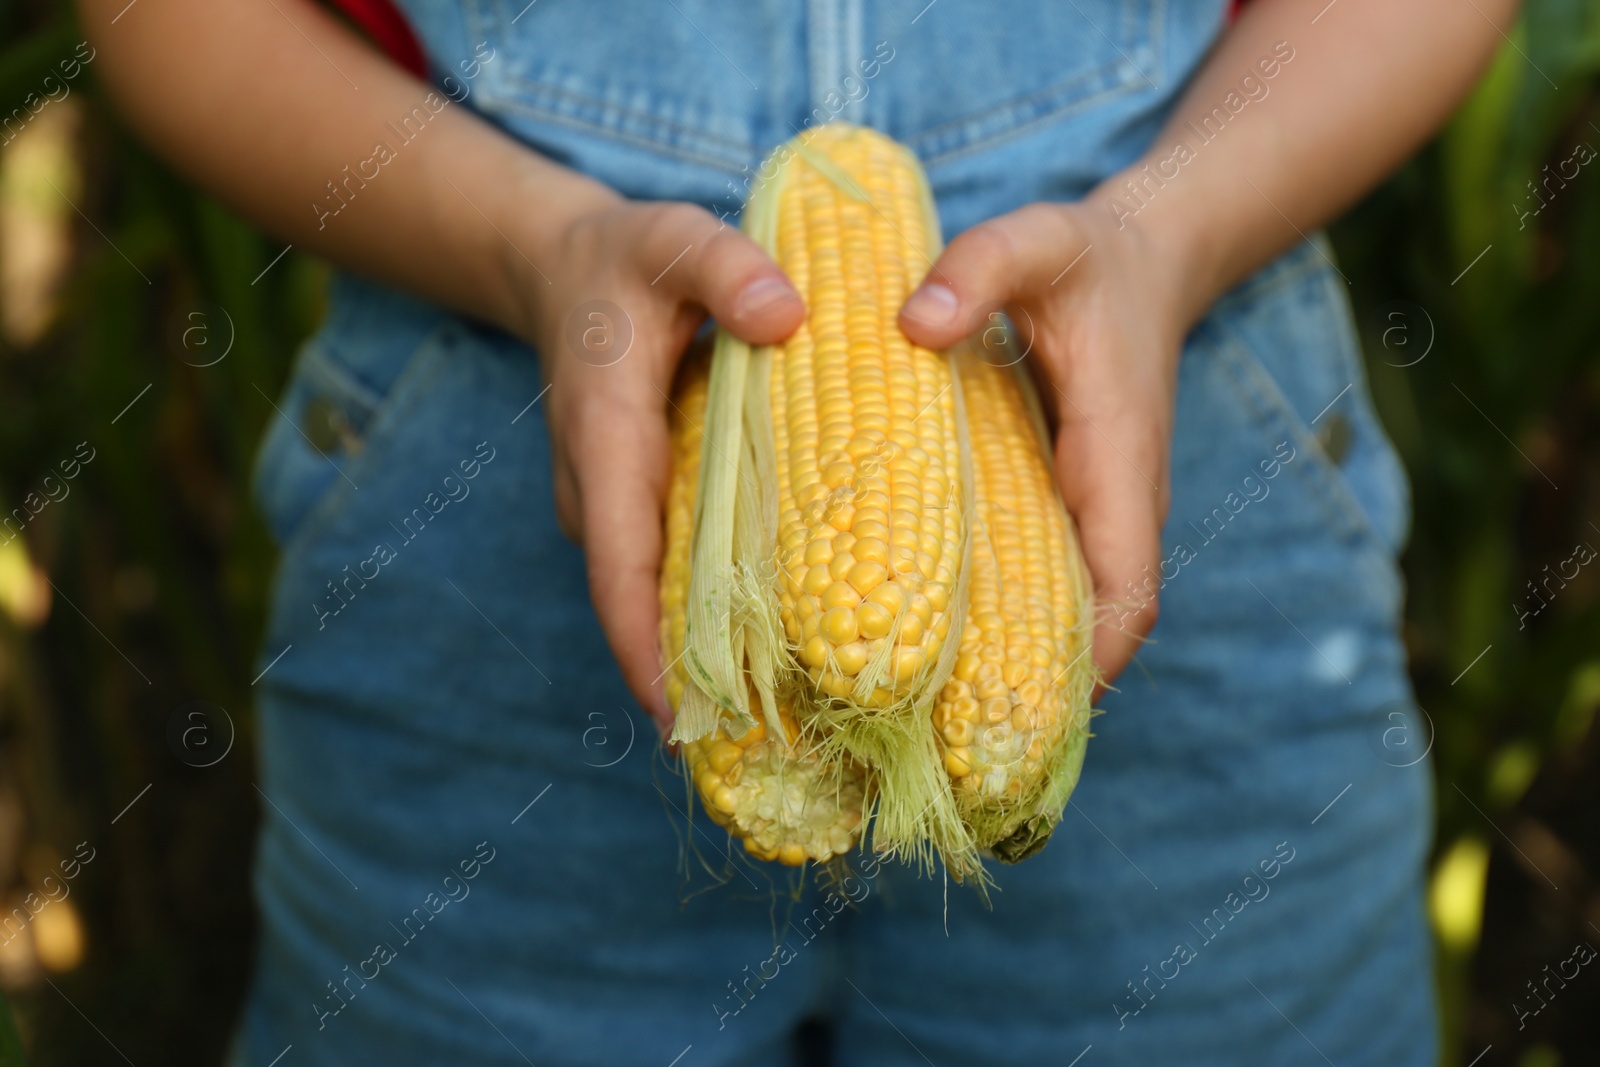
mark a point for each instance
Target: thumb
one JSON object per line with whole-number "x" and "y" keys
{"x": 994, "y": 264}
{"x": 733, "y": 278}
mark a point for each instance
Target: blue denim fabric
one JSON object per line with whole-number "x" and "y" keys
{"x": 472, "y": 851}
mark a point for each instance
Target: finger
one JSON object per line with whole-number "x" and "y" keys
{"x": 1109, "y": 480}
{"x": 992, "y": 264}
{"x": 623, "y": 478}
{"x": 569, "y": 515}
{"x": 729, "y": 275}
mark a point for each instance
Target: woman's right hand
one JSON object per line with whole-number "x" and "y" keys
{"x": 472, "y": 219}
{"x": 622, "y": 291}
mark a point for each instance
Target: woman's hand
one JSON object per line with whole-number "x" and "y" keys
{"x": 1210, "y": 210}
{"x": 1106, "y": 333}
{"x": 1102, "y": 316}
{"x": 631, "y": 284}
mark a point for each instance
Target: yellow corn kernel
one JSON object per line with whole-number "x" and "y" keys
{"x": 873, "y": 620}
{"x": 839, "y": 626}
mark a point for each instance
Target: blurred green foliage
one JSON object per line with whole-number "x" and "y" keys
{"x": 1499, "y": 427}
{"x": 10, "y": 1043}
{"x": 159, "y": 567}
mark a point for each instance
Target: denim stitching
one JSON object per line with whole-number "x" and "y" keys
{"x": 1135, "y": 18}
{"x": 1023, "y": 127}
{"x": 489, "y": 24}
{"x": 321, "y": 370}
{"x": 644, "y": 117}
{"x": 659, "y": 147}
{"x": 1257, "y": 385}
{"x": 410, "y": 387}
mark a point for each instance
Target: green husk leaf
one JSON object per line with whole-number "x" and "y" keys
{"x": 755, "y": 531}
{"x": 710, "y": 657}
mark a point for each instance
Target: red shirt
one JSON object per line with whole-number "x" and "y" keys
{"x": 389, "y": 29}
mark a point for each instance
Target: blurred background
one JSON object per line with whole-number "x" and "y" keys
{"x": 143, "y": 329}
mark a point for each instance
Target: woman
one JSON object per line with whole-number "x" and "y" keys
{"x": 463, "y": 860}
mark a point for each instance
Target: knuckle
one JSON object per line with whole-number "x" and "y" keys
{"x": 985, "y": 247}
{"x": 730, "y": 259}
{"x": 727, "y": 241}
{"x": 1046, "y": 218}
{"x": 662, "y": 230}
{"x": 682, "y": 222}
{"x": 1137, "y": 616}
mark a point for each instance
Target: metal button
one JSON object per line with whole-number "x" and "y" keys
{"x": 1334, "y": 436}
{"x": 326, "y": 427}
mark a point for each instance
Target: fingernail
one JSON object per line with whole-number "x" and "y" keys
{"x": 761, "y": 295}
{"x": 933, "y": 305}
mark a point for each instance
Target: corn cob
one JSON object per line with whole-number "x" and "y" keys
{"x": 781, "y": 802}
{"x": 864, "y": 562}
{"x": 1013, "y": 719}
{"x": 865, "y": 428}
{"x": 830, "y": 530}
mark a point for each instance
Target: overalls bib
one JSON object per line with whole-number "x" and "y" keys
{"x": 473, "y": 851}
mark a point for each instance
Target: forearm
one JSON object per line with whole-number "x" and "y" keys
{"x": 267, "y": 102}
{"x": 1364, "y": 87}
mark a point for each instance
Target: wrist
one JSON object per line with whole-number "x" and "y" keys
{"x": 538, "y": 208}
{"x": 1178, "y": 254}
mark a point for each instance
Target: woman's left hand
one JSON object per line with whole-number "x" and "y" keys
{"x": 1101, "y": 313}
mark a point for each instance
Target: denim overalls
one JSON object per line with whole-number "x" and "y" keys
{"x": 473, "y": 851}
